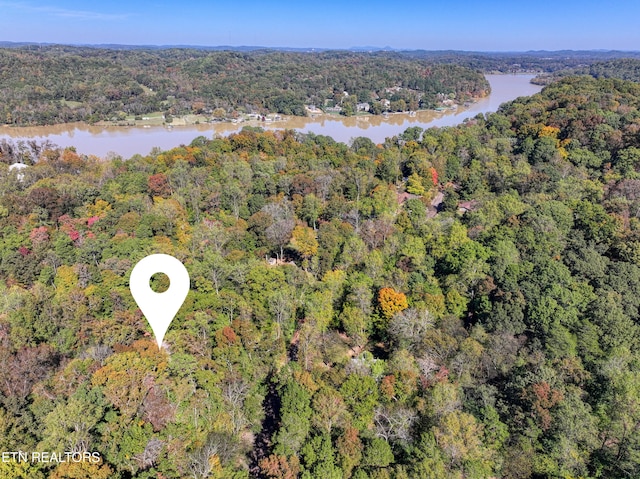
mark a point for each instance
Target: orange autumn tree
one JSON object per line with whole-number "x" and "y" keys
{"x": 391, "y": 302}
{"x": 280, "y": 467}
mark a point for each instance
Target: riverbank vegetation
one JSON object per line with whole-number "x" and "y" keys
{"x": 57, "y": 84}
{"x": 338, "y": 326}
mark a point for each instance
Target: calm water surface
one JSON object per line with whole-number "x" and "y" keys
{"x": 127, "y": 141}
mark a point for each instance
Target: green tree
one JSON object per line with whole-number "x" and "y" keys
{"x": 360, "y": 393}
{"x": 295, "y": 419}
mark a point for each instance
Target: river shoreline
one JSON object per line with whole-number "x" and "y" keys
{"x": 188, "y": 122}
{"x": 103, "y": 140}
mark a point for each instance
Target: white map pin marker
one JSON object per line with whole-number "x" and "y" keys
{"x": 159, "y": 308}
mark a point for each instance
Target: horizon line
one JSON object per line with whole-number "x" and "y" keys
{"x": 4, "y": 43}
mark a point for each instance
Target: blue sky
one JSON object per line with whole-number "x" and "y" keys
{"x": 489, "y": 25}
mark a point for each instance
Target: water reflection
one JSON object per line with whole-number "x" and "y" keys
{"x": 127, "y": 141}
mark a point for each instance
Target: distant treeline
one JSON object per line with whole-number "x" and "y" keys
{"x": 58, "y": 84}
{"x": 621, "y": 68}
{"x": 521, "y": 62}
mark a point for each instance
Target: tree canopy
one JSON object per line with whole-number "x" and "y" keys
{"x": 336, "y": 327}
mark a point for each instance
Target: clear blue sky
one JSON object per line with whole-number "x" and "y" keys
{"x": 479, "y": 25}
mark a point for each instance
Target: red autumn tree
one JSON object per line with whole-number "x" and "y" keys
{"x": 159, "y": 185}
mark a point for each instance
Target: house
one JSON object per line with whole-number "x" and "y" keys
{"x": 465, "y": 206}
{"x": 404, "y": 196}
{"x": 363, "y": 107}
{"x": 18, "y": 167}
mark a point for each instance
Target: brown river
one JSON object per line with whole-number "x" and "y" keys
{"x": 127, "y": 141}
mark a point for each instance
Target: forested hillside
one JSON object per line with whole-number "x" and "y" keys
{"x": 622, "y": 68}
{"x": 337, "y": 325}
{"x": 58, "y": 84}
{"x": 545, "y": 62}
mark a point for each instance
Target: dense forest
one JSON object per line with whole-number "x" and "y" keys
{"x": 338, "y": 324}
{"x": 621, "y": 68}
{"x": 58, "y": 84}
{"x": 543, "y": 62}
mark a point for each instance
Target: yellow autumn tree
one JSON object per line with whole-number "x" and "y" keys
{"x": 82, "y": 470}
{"x": 99, "y": 209}
{"x": 391, "y": 301}
{"x": 414, "y": 185}
{"x": 66, "y": 279}
{"x": 549, "y": 132}
{"x": 554, "y": 132}
{"x": 303, "y": 240}
{"x": 20, "y": 470}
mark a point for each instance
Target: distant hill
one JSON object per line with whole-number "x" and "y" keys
{"x": 590, "y": 55}
{"x": 520, "y": 62}
{"x": 45, "y": 84}
{"x": 621, "y": 68}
